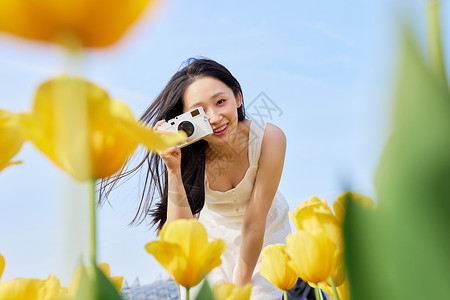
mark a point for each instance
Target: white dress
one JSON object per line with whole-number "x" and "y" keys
{"x": 223, "y": 214}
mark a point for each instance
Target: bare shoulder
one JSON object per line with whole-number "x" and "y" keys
{"x": 273, "y": 143}
{"x": 274, "y": 136}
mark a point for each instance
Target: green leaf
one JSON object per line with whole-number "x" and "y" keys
{"x": 94, "y": 285}
{"x": 401, "y": 251}
{"x": 206, "y": 292}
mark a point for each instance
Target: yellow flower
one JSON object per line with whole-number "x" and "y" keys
{"x": 32, "y": 289}
{"x": 315, "y": 214}
{"x": 84, "y": 132}
{"x": 104, "y": 267}
{"x": 95, "y": 23}
{"x": 340, "y": 203}
{"x": 2, "y": 265}
{"x": 330, "y": 225}
{"x": 343, "y": 290}
{"x": 184, "y": 251}
{"x": 338, "y": 272}
{"x": 229, "y": 291}
{"x": 275, "y": 267}
{"x": 11, "y": 137}
{"x": 311, "y": 255}
{"x": 304, "y": 217}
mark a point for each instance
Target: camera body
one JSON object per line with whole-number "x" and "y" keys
{"x": 194, "y": 122}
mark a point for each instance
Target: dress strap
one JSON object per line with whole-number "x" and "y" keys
{"x": 255, "y": 136}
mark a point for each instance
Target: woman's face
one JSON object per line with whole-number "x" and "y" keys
{"x": 219, "y": 104}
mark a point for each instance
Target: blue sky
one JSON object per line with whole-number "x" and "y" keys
{"x": 328, "y": 65}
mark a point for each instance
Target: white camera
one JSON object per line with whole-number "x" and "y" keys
{"x": 194, "y": 122}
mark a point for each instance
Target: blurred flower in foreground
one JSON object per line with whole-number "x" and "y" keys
{"x": 96, "y": 23}
{"x": 32, "y": 289}
{"x": 275, "y": 267}
{"x": 11, "y": 137}
{"x": 116, "y": 280}
{"x": 2, "y": 265}
{"x": 184, "y": 251}
{"x": 229, "y": 291}
{"x": 84, "y": 132}
{"x": 311, "y": 255}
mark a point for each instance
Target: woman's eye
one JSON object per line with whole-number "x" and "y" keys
{"x": 221, "y": 101}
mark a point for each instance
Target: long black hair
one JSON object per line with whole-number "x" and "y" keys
{"x": 166, "y": 106}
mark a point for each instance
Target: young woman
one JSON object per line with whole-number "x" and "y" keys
{"x": 228, "y": 180}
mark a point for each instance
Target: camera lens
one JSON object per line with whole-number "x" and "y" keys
{"x": 187, "y": 127}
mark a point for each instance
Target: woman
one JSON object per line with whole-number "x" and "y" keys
{"x": 228, "y": 180}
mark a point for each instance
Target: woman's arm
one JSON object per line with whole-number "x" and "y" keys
{"x": 177, "y": 202}
{"x": 268, "y": 177}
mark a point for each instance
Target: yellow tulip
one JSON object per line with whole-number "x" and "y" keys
{"x": 275, "y": 267}
{"x": 11, "y": 137}
{"x": 104, "y": 267}
{"x": 339, "y": 204}
{"x": 2, "y": 265}
{"x": 229, "y": 291}
{"x": 304, "y": 217}
{"x": 84, "y": 132}
{"x": 315, "y": 214}
{"x": 32, "y": 289}
{"x": 184, "y": 251}
{"x": 311, "y": 255}
{"x": 343, "y": 290}
{"x": 96, "y": 23}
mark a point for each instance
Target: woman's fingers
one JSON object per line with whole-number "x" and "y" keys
{"x": 158, "y": 124}
{"x": 172, "y": 151}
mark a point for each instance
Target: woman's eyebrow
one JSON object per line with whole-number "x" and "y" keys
{"x": 217, "y": 94}
{"x": 195, "y": 104}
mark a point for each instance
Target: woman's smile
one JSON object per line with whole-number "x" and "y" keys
{"x": 220, "y": 130}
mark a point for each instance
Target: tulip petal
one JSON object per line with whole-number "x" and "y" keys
{"x": 311, "y": 255}
{"x": 172, "y": 258}
{"x": 2, "y": 265}
{"x": 330, "y": 225}
{"x": 96, "y": 23}
{"x": 117, "y": 281}
{"x": 229, "y": 291}
{"x": 156, "y": 141}
{"x": 209, "y": 258}
{"x": 304, "y": 217}
{"x": 31, "y": 289}
{"x": 190, "y": 235}
{"x": 338, "y": 269}
{"x": 105, "y": 268}
{"x": 11, "y": 137}
{"x": 275, "y": 268}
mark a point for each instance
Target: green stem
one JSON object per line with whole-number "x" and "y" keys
{"x": 333, "y": 287}
{"x": 317, "y": 290}
{"x": 187, "y": 293}
{"x": 434, "y": 39}
{"x": 93, "y": 225}
{"x": 285, "y": 295}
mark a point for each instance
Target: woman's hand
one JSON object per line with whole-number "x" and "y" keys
{"x": 171, "y": 157}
